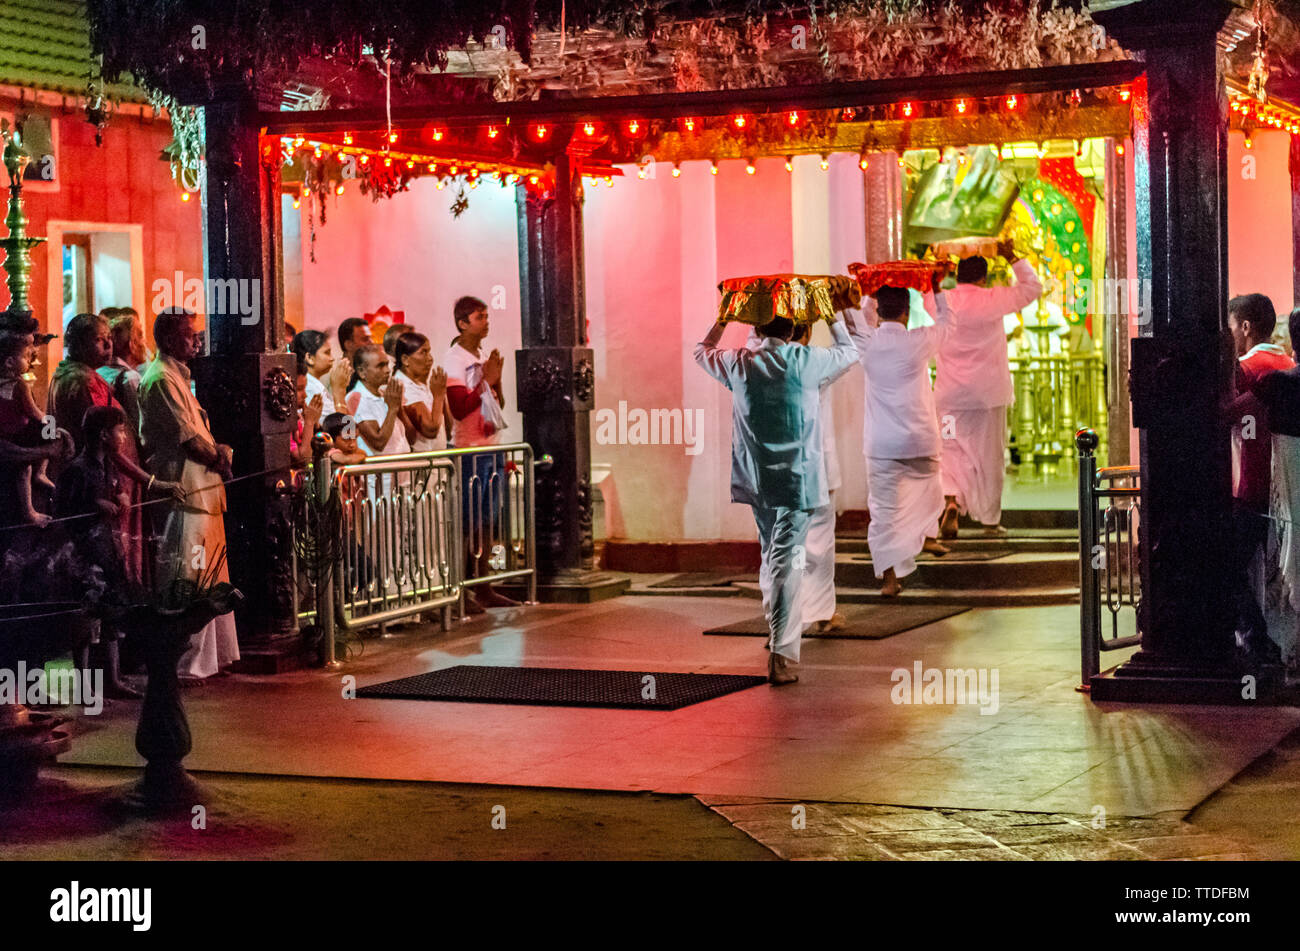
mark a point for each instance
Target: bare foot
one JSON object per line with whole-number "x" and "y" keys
{"x": 934, "y": 547}
{"x": 835, "y": 622}
{"x": 892, "y": 587}
{"x": 33, "y": 517}
{"x": 472, "y": 606}
{"x": 995, "y": 531}
{"x": 948, "y": 522}
{"x": 778, "y": 670}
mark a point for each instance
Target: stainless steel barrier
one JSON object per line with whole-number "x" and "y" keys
{"x": 1109, "y": 555}
{"x": 409, "y": 533}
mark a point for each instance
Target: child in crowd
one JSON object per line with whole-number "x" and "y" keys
{"x": 21, "y": 421}
{"x": 343, "y": 431}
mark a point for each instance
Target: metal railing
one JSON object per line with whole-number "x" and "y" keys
{"x": 1109, "y": 555}
{"x": 408, "y": 534}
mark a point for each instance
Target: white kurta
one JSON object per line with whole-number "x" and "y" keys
{"x": 904, "y": 492}
{"x": 819, "y": 546}
{"x": 973, "y": 390}
{"x": 777, "y": 464}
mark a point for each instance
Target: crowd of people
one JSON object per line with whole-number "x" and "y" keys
{"x": 1265, "y": 420}
{"x": 122, "y": 466}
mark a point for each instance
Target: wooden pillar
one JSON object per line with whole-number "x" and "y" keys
{"x": 1181, "y": 366}
{"x": 246, "y": 380}
{"x": 555, "y": 376}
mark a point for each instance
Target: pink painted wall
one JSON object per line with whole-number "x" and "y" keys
{"x": 655, "y": 251}
{"x": 1260, "y": 254}
{"x": 409, "y": 252}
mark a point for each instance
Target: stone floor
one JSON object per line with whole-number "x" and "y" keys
{"x": 837, "y": 736}
{"x": 819, "y": 831}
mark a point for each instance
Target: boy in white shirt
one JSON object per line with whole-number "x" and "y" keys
{"x": 475, "y": 396}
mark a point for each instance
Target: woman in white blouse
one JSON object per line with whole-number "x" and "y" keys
{"x": 325, "y": 376}
{"x": 425, "y": 389}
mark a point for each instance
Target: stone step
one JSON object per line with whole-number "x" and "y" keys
{"x": 1011, "y": 519}
{"x": 970, "y": 597}
{"x": 1016, "y": 540}
{"x": 1010, "y": 571}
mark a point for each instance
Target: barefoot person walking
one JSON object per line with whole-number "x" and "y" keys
{"x": 904, "y": 490}
{"x": 973, "y": 389}
{"x": 776, "y": 464}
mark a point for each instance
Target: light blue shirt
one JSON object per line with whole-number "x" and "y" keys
{"x": 776, "y": 437}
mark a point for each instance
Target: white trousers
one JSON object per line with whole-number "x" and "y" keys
{"x": 906, "y": 500}
{"x": 819, "y": 577}
{"x": 974, "y": 460}
{"x": 782, "y": 534}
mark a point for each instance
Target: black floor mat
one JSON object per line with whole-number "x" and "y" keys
{"x": 561, "y": 687}
{"x": 862, "y": 622}
{"x": 702, "y": 579}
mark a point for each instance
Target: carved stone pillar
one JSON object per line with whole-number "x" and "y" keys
{"x": 246, "y": 380}
{"x": 556, "y": 376}
{"x": 1181, "y": 370}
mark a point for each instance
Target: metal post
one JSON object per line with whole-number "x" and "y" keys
{"x": 322, "y": 470}
{"x": 1089, "y": 610}
{"x": 530, "y": 532}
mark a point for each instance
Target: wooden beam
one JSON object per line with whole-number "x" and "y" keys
{"x": 722, "y": 102}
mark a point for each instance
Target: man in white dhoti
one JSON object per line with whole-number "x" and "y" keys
{"x": 776, "y": 464}
{"x": 973, "y": 390}
{"x": 819, "y": 547}
{"x": 904, "y": 488}
{"x": 181, "y": 448}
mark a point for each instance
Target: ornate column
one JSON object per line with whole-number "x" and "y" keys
{"x": 245, "y": 382}
{"x": 1181, "y": 370}
{"x": 883, "y": 195}
{"x": 555, "y": 376}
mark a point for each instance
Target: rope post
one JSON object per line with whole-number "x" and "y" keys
{"x": 1086, "y": 441}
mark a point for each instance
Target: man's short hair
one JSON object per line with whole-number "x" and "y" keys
{"x": 359, "y": 355}
{"x": 1258, "y": 309}
{"x": 972, "y": 270}
{"x": 893, "y": 302}
{"x": 169, "y": 321}
{"x": 802, "y": 333}
{"x": 391, "y": 335}
{"x": 1293, "y": 328}
{"x": 465, "y": 307}
{"x": 348, "y": 329}
{"x": 781, "y": 327}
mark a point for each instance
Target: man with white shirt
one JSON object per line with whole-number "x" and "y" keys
{"x": 904, "y": 488}
{"x": 973, "y": 389}
{"x": 475, "y": 397}
{"x": 776, "y": 459}
{"x": 819, "y": 547}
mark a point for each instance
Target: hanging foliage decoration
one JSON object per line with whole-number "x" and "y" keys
{"x": 196, "y": 47}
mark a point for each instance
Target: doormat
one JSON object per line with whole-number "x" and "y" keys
{"x": 703, "y": 579}
{"x": 562, "y": 687}
{"x": 870, "y": 622}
